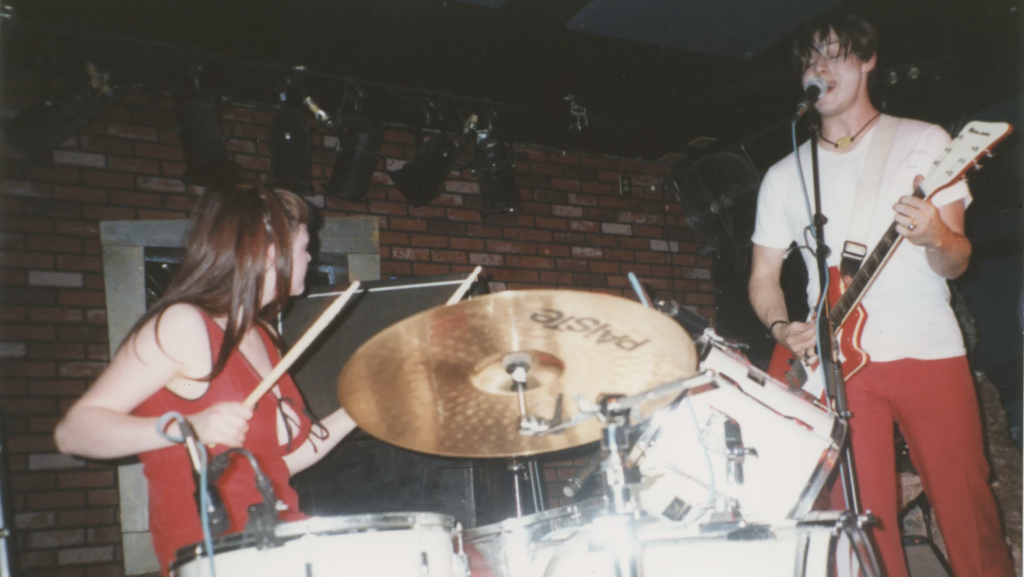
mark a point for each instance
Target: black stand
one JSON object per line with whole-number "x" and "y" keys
{"x": 835, "y": 384}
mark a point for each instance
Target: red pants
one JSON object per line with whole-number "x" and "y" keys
{"x": 935, "y": 405}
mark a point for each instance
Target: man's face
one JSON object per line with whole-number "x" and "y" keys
{"x": 845, "y": 73}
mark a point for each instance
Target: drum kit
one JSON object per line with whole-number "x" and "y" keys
{"x": 708, "y": 466}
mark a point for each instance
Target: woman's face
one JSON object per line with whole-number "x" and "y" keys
{"x": 300, "y": 262}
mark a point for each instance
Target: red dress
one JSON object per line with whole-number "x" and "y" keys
{"x": 173, "y": 514}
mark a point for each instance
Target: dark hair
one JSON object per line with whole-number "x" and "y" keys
{"x": 225, "y": 261}
{"x": 856, "y": 36}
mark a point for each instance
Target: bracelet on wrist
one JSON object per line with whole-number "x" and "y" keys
{"x": 771, "y": 327}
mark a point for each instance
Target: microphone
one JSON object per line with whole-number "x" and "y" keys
{"x": 813, "y": 90}
{"x": 572, "y": 488}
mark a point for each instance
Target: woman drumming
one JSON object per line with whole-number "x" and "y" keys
{"x": 200, "y": 351}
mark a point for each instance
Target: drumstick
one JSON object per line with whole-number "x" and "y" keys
{"x": 464, "y": 286}
{"x": 301, "y": 345}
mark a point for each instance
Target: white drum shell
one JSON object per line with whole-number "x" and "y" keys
{"x": 790, "y": 551}
{"x": 386, "y": 545}
{"x": 682, "y": 455}
{"x": 507, "y": 549}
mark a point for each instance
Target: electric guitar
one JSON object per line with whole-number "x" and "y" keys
{"x": 847, "y": 314}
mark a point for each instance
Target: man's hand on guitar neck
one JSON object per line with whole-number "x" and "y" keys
{"x": 798, "y": 337}
{"x": 939, "y": 230}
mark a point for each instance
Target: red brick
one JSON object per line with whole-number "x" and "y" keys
{"x": 33, "y": 520}
{"x": 56, "y": 499}
{"x": 26, "y": 259}
{"x": 485, "y": 259}
{"x": 390, "y": 267}
{"x": 29, "y": 189}
{"x": 699, "y": 299}
{"x": 98, "y": 352}
{"x": 104, "y": 535}
{"x": 105, "y": 212}
{"x": 54, "y": 539}
{"x": 85, "y": 555}
{"x": 559, "y": 278}
{"x": 57, "y": 387}
{"x": 56, "y": 351}
{"x": 515, "y": 274}
{"x": 105, "y": 145}
{"x": 511, "y": 247}
{"x": 409, "y": 224}
{"x": 33, "y": 481}
{"x": 595, "y": 162}
{"x": 79, "y": 262}
{"x": 78, "y": 227}
{"x": 419, "y": 268}
{"x": 135, "y": 198}
{"x": 565, "y": 184}
{"x": 467, "y": 243}
{"x": 53, "y": 173}
{"x": 552, "y": 223}
{"x": 528, "y": 234}
{"x": 571, "y": 264}
{"x": 161, "y": 184}
{"x": 403, "y": 253}
{"x": 463, "y": 215}
{"x": 81, "y": 369}
{"x": 172, "y": 169}
{"x": 9, "y": 314}
{"x": 83, "y": 333}
{"x": 448, "y": 256}
{"x": 239, "y": 145}
{"x": 428, "y": 241}
{"x": 545, "y": 169}
{"x": 587, "y": 252}
{"x": 133, "y": 132}
{"x": 250, "y": 131}
{"x": 21, "y": 332}
{"x": 161, "y": 151}
{"x": 134, "y": 165}
{"x": 535, "y": 262}
{"x": 107, "y": 179}
{"x": 429, "y": 211}
{"x": 103, "y": 497}
{"x": 18, "y": 223}
{"x": 86, "y": 479}
{"x": 51, "y": 207}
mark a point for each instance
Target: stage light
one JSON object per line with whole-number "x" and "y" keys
{"x": 420, "y": 178}
{"x": 40, "y": 128}
{"x": 495, "y": 172}
{"x": 291, "y": 162}
{"x": 355, "y": 159}
{"x": 199, "y": 127}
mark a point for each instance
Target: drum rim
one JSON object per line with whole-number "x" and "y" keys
{"x": 319, "y": 526}
{"x": 519, "y": 523}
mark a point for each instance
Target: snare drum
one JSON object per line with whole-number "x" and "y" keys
{"x": 379, "y": 545}
{"x": 507, "y": 549}
{"x": 666, "y": 550}
{"x": 747, "y": 438}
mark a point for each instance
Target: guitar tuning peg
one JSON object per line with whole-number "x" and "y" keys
{"x": 988, "y": 154}
{"x": 976, "y": 166}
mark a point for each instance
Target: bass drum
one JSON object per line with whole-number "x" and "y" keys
{"x": 507, "y": 549}
{"x": 747, "y": 438}
{"x": 381, "y": 545}
{"x": 790, "y": 549}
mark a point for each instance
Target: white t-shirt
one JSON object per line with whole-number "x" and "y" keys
{"x": 908, "y": 304}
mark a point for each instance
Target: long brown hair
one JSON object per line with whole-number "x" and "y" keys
{"x": 225, "y": 263}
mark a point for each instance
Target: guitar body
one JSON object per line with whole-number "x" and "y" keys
{"x": 852, "y": 357}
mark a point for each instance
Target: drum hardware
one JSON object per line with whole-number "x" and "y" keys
{"x": 583, "y": 474}
{"x": 735, "y": 452}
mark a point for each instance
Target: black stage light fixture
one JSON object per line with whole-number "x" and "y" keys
{"x": 355, "y": 159}
{"x": 420, "y": 178}
{"x": 199, "y": 127}
{"x": 495, "y": 172}
{"x": 291, "y": 161}
{"x": 40, "y": 128}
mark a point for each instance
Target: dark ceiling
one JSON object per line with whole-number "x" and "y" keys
{"x": 643, "y": 99}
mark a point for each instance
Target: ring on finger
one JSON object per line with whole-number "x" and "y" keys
{"x": 912, "y": 225}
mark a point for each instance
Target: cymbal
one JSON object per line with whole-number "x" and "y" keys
{"x": 436, "y": 382}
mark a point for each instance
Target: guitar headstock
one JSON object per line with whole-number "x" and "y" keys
{"x": 975, "y": 140}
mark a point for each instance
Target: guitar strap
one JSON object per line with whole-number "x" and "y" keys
{"x": 855, "y": 247}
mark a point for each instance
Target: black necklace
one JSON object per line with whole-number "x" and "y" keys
{"x": 848, "y": 140}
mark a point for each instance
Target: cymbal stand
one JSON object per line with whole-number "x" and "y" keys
{"x": 518, "y": 366}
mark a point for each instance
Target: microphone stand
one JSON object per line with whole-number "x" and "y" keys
{"x": 835, "y": 384}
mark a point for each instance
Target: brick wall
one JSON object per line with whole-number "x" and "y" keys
{"x": 575, "y": 231}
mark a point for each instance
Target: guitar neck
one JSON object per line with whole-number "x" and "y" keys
{"x": 866, "y": 274}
